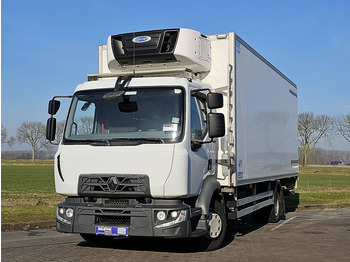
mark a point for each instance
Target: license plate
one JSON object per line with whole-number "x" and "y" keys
{"x": 112, "y": 231}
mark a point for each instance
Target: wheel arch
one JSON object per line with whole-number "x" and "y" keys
{"x": 210, "y": 190}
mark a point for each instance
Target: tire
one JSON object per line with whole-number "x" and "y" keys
{"x": 273, "y": 213}
{"x": 282, "y": 205}
{"x": 217, "y": 227}
{"x": 275, "y": 209}
{"x": 95, "y": 239}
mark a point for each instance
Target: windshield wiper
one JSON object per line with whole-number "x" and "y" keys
{"x": 158, "y": 140}
{"x": 139, "y": 139}
{"x": 97, "y": 142}
{"x": 109, "y": 142}
{"x": 105, "y": 141}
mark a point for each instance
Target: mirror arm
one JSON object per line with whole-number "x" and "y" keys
{"x": 58, "y": 106}
{"x": 193, "y": 92}
{"x": 207, "y": 142}
{"x": 54, "y": 143}
{"x": 199, "y": 142}
{"x": 61, "y": 97}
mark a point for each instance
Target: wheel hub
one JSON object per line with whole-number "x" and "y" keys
{"x": 215, "y": 225}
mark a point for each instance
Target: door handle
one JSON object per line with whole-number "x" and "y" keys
{"x": 210, "y": 164}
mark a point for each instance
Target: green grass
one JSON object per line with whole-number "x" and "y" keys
{"x": 26, "y": 178}
{"x": 28, "y": 190}
{"x": 322, "y": 185}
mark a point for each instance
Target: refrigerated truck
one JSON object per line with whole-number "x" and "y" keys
{"x": 178, "y": 133}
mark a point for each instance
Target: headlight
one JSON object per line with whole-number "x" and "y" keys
{"x": 180, "y": 217}
{"x": 69, "y": 212}
{"x": 161, "y": 216}
{"x": 174, "y": 214}
{"x": 62, "y": 212}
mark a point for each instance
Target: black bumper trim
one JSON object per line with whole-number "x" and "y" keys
{"x": 140, "y": 219}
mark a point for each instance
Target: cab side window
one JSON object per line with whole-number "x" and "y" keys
{"x": 198, "y": 119}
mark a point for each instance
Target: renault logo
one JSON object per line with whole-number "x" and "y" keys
{"x": 112, "y": 183}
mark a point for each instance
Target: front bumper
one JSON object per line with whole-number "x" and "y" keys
{"x": 139, "y": 219}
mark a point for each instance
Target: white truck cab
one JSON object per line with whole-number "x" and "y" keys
{"x": 165, "y": 140}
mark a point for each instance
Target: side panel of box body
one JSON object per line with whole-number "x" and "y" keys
{"x": 266, "y": 119}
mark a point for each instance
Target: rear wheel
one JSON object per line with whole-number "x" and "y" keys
{"x": 273, "y": 213}
{"x": 217, "y": 225}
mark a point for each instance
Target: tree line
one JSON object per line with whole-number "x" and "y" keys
{"x": 311, "y": 129}
{"x": 322, "y": 156}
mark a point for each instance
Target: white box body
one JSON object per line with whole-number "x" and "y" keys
{"x": 260, "y": 107}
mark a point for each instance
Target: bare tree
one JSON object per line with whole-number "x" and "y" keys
{"x": 33, "y": 134}
{"x": 85, "y": 124}
{"x": 6, "y": 140}
{"x": 343, "y": 126}
{"x": 311, "y": 129}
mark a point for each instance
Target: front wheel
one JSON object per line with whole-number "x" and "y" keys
{"x": 217, "y": 226}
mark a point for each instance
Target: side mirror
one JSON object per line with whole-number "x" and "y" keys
{"x": 216, "y": 123}
{"x": 215, "y": 100}
{"x": 51, "y": 129}
{"x": 54, "y": 105}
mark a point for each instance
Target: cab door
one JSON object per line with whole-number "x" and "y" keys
{"x": 200, "y": 156}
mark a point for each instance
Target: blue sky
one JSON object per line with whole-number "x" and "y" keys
{"x": 48, "y": 47}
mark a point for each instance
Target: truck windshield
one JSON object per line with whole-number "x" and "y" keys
{"x": 145, "y": 115}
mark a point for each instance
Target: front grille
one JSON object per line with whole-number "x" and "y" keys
{"x": 110, "y": 220}
{"x": 114, "y": 185}
{"x": 116, "y": 202}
